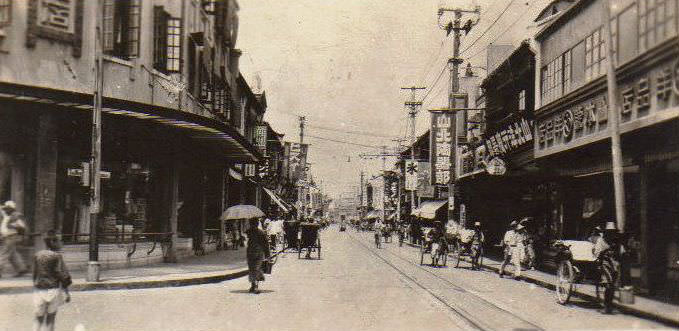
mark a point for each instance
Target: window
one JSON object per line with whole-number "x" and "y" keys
{"x": 5, "y": 12}
{"x": 567, "y": 71}
{"x": 657, "y": 22}
{"x": 122, "y": 22}
{"x": 166, "y": 41}
{"x": 595, "y": 55}
{"x": 522, "y": 100}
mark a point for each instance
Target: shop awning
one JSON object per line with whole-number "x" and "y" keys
{"x": 209, "y": 131}
{"x": 428, "y": 209}
{"x": 274, "y": 197}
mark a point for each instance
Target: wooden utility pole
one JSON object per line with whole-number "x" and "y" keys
{"x": 454, "y": 65}
{"x": 413, "y": 107}
{"x": 614, "y": 121}
{"x": 93, "y": 266}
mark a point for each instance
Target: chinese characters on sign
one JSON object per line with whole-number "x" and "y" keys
{"x": 57, "y": 14}
{"x": 411, "y": 175}
{"x": 641, "y": 97}
{"x": 514, "y": 136}
{"x": 296, "y": 160}
{"x": 57, "y": 20}
{"x": 424, "y": 187}
{"x": 442, "y": 126}
{"x": 261, "y": 137}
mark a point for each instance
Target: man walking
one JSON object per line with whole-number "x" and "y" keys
{"x": 50, "y": 282}
{"x": 508, "y": 244}
{"x": 12, "y": 229}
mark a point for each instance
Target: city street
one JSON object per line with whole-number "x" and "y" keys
{"x": 353, "y": 287}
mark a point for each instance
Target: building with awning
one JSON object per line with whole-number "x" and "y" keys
{"x": 430, "y": 209}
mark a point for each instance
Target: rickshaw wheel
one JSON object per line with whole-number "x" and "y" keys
{"x": 564, "y": 282}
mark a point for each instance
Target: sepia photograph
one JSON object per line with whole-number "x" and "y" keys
{"x": 208, "y": 165}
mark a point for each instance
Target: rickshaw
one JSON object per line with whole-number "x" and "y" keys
{"x": 290, "y": 230}
{"x": 576, "y": 265}
{"x": 386, "y": 233}
{"x": 464, "y": 245}
{"x": 310, "y": 240}
{"x": 437, "y": 251}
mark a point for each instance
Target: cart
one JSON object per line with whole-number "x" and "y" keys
{"x": 310, "y": 240}
{"x": 386, "y": 233}
{"x": 576, "y": 265}
{"x": 290, "y": 231}
{"x": 438, "y": 252}
{"x": 464, "y": 245}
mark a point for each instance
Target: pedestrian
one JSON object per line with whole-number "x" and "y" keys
{"x": 50, "y": 282}
{"x": 508, "y": 243}
{"x": 257, "y": 251}
{"x": 477, "y": 242}
{"x": 608, "y": 251}
{"x": 12, "y": 230}
{"x": 528, "y": 241}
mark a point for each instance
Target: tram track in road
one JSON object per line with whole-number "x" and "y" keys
{"x": 499, "y": 313}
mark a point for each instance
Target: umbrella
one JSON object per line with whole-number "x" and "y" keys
{"x": 241, "y": 212}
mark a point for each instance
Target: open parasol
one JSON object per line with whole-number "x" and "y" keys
{"x": 241, "y": 212}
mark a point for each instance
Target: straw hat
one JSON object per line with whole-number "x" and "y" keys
{"x": 477, "y": 223}
{"x": 513, "y": 223}
{"x": 520, "y": 227}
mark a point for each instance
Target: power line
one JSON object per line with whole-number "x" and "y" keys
{"x": 361, "y": 133}
{"x": 342, "y": 141}
{"x": 436, "y": 81}
{"x": 501, "y": 33}
{"x": 489, "y": 27}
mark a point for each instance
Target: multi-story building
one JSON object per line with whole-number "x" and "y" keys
{"x": 572, "y": 132}
{"x": 177, "y": 115}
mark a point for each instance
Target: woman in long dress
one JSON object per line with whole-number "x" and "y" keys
{"x": 257, "y": 251}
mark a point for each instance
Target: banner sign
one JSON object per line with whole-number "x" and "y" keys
{"x": 411, "y": 175}
{"x": 441, "y": 147}
{"x": 261, "y": 137}
{"x": 297, "y": 161}
{"x": 250, "y": 170}
{"x": 424, "y": 187}
{"x": 369, "y": 195}
{"x": 512, "y": 137}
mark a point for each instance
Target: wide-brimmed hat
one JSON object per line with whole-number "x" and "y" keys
{"x": 477, "y": 223}
{"x": 513, "y": 223}
{"x": 9, "y": 204}
{"x": 520, "y": 227}
{"x": 610, "y": 226}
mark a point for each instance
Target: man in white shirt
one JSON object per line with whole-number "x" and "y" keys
{"x": 12, "y": 229}
{"x": 508, "y": 243}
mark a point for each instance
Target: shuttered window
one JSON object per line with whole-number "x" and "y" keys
{"x": 121, "y": 24}
{"x": 5, "y": 12}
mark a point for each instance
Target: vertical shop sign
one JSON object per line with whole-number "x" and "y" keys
{"x": 441, "y": 147}
{"x": 411, "y": 175}
{"x": 424, "y": 187}
{"x": 261, "y": 137}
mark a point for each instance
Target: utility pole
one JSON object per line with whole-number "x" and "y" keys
{"x": 614, "y": 118}
{"x": 302, "y": 119}
{"x": 302, "y": 188}
{"x": 361, "y": 194}
{"x": 454, "y": 64}
{"x": 413, "y": 107}
{"x": 384, "y": 183}
{"x": 93, "y": 266}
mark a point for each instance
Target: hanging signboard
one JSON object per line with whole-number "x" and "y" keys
{"x": 250, "y": 170}
{"x": 261, "y": 137}
{"x": 496, "y": 167}
{"x": 424, "y": 187}
{"x": 411, "y": 175}
{"x": 297, "y": 161}
{"x": 441, "y": 147}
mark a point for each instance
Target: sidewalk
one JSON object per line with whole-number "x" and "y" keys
{"x": 642, "y": 307}
{"x": 212, "y": 268}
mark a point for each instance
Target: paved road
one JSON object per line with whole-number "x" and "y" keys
{"x": 354, "y": 287}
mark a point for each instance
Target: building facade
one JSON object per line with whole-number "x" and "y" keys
{"x": 178, "y": 118}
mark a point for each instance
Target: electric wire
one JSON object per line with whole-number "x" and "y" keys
{"x": 361, "y": 133}
{"x": 342, "y": 141}
{"x": 489, "y": 27}
{"x": 510, "y": 26}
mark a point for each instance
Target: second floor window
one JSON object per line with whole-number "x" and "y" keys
{"x": 5, "y": 12}
{"x": 657, "y": 22}
{"x": 595, "y": 55}
{"x": 122, "y": 22}
{"x": 166, "y": 41}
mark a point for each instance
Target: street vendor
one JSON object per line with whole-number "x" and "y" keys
{"x": 608, "y": 251}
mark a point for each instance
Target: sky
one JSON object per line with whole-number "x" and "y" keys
{"x": 342, "y": 63}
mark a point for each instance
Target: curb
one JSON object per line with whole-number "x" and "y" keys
{"x": 626, "y": 309}
{"x": 142, "y": 284}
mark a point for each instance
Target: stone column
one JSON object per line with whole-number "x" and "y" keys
{"x": 46, "y": 177}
